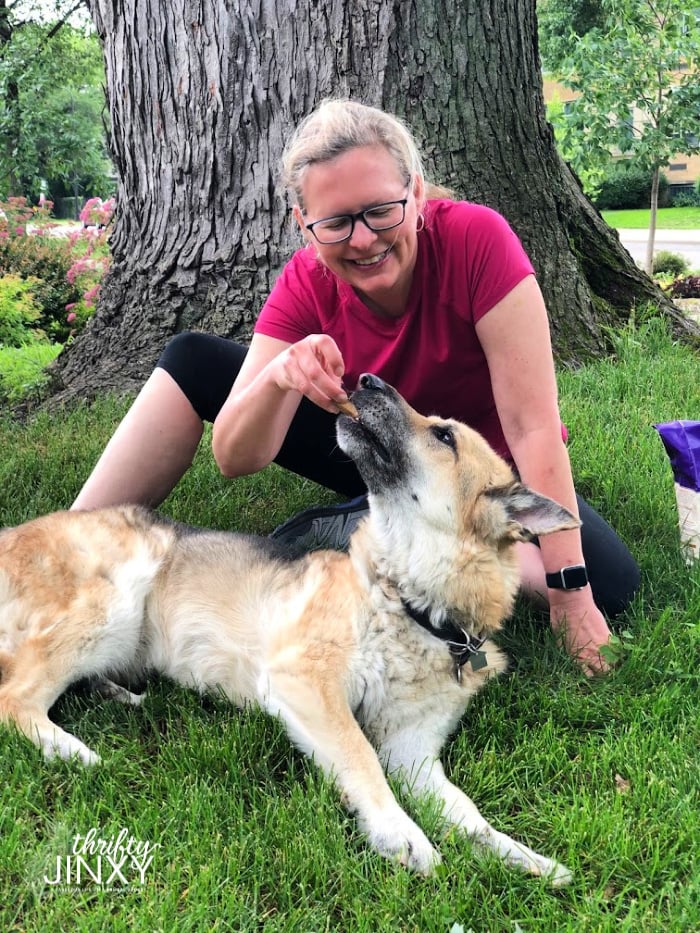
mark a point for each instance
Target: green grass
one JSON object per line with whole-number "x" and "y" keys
{"x": 22, "y": 370}
{"x": 602, "y": 775}
{"x": 667, "y": 218}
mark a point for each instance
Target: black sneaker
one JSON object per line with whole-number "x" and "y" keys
{"x": 322, "y": 526}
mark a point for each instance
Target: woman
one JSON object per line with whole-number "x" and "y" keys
{"x": 435, "y": 296}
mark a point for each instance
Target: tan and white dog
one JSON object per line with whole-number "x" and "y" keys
{"x": 369, "y": 658}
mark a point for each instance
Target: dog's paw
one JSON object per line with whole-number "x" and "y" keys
{"x": 111, "y": 691}
{"x": 521, "y": 856}
{"x": 63, "y": 745}
{"x": 558, "y": 875}
{"x": 551, "y": 871}
{"x": 402, "y": 841}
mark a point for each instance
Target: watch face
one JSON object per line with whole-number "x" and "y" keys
{"x": 574, "y": 578}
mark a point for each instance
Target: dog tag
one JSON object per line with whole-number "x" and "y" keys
{"x": 478, "y": 660}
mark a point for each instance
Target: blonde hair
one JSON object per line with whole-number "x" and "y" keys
{"x": 338, "y": 125}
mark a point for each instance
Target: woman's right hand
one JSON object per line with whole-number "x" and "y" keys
{"x": 313, "y": 367}
{"x": 253, "y": 422}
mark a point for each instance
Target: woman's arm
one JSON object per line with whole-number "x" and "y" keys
{"x": 253, "y": 422}
{"x": 515, "y": 337}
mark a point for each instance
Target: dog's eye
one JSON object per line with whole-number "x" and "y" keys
{"x": 445, "y": 435}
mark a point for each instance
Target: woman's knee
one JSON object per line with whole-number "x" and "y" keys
{"x": 204, "y": 366}
{"x": 613, "y": 572}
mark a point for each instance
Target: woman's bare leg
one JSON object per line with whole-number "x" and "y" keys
{"x": 149, "y": 452}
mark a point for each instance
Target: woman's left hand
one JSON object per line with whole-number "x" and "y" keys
{"x": 581, "y": 627}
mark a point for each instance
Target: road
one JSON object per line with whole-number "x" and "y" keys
{"x": 685, "y": 242}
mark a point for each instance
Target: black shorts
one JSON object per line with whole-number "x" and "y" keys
{"x": 205, "y": 367}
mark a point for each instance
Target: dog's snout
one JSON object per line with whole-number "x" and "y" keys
{"x": 370, "y": 381}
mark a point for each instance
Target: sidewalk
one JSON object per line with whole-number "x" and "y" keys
{"x": 677, "y": 236}
{"x": 685, "y": 242}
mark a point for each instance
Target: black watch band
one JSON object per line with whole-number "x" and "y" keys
{"x": 568, "y": 578}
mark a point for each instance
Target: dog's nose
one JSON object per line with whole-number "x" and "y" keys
{"x": 370, "y": 381}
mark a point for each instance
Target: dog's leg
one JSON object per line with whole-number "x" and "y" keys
{"x": 423, "y": 775}
{"x": 27, "y": 694}
{"x": 321, "y": 723}
{"x": 33, "y": 722}
{"x": 110, "y": 691}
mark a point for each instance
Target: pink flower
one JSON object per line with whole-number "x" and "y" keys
{"x": 89, "y": 296}
{"x": 71, "y": 317}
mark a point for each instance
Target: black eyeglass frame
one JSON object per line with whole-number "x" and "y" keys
{"x": 360, "y": 215}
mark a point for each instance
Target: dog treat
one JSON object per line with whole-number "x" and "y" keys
{"x": 682, "y": 442}
{"x": 349, "y": 409}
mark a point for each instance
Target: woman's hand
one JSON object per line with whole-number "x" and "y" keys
{"x": 581, "y": 628}
{"x": 313, "y": 367}
{"x": 253, "y": 422}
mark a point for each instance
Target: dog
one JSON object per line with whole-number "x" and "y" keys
{"x": 368, "y": 657}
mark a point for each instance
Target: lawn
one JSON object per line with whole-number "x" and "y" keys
{"x": 667, "y": 218}
{"x": 247, "y": 836}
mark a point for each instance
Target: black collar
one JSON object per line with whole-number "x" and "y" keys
{"x": 463, "y": 646}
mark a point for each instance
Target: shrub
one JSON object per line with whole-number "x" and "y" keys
{"x": 689, "y": 287}
{"x": 67, "y": 270}
{"x": 46, "y": 260}
{"x": 97, "y": 213}
{"x": 92, "y": 260}
{"x": 686, "y": 198}
{"x": 19, "y": 312}
{"x": 668, "y": 263}
{"x": 625, "y": 186}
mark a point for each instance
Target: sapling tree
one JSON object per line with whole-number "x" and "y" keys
{"x": 638, "y": 89}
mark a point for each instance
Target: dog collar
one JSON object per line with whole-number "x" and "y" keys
{"x": 462, "y": 646}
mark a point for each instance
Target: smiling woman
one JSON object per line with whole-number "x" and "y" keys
{"x": 377, "y": 255}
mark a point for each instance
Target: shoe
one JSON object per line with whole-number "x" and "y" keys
{"x": 320, "y": 527}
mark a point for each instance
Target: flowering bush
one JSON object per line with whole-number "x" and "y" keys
{"x": 67, "y": 269}
{"x": 689, "y": 287}
{"x": 92, "y": 260}
{"x": 45, "y": 260}
{"x": 97, "y": 213}
{"x": 17, "y": 213}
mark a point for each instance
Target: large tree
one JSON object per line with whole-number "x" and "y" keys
{"x": 202, "y": 96}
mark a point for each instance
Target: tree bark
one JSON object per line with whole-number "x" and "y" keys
{"x": 202, "y": 96}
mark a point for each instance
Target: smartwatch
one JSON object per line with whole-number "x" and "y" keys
{"x": 568, "y": 578}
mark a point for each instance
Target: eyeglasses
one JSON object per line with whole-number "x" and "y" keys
{"x": 337, "y": 229}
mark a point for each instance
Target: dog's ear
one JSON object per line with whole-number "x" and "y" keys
{"x": 531, "y": 513}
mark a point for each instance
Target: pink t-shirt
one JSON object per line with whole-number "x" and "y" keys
{"x": 468, "y": 260}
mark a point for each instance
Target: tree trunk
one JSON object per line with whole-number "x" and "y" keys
{"x": 202, "y": 96}
{"x": 654, "y": 203}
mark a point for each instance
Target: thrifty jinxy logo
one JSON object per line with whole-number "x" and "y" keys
{"x": 118, "y": 861}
